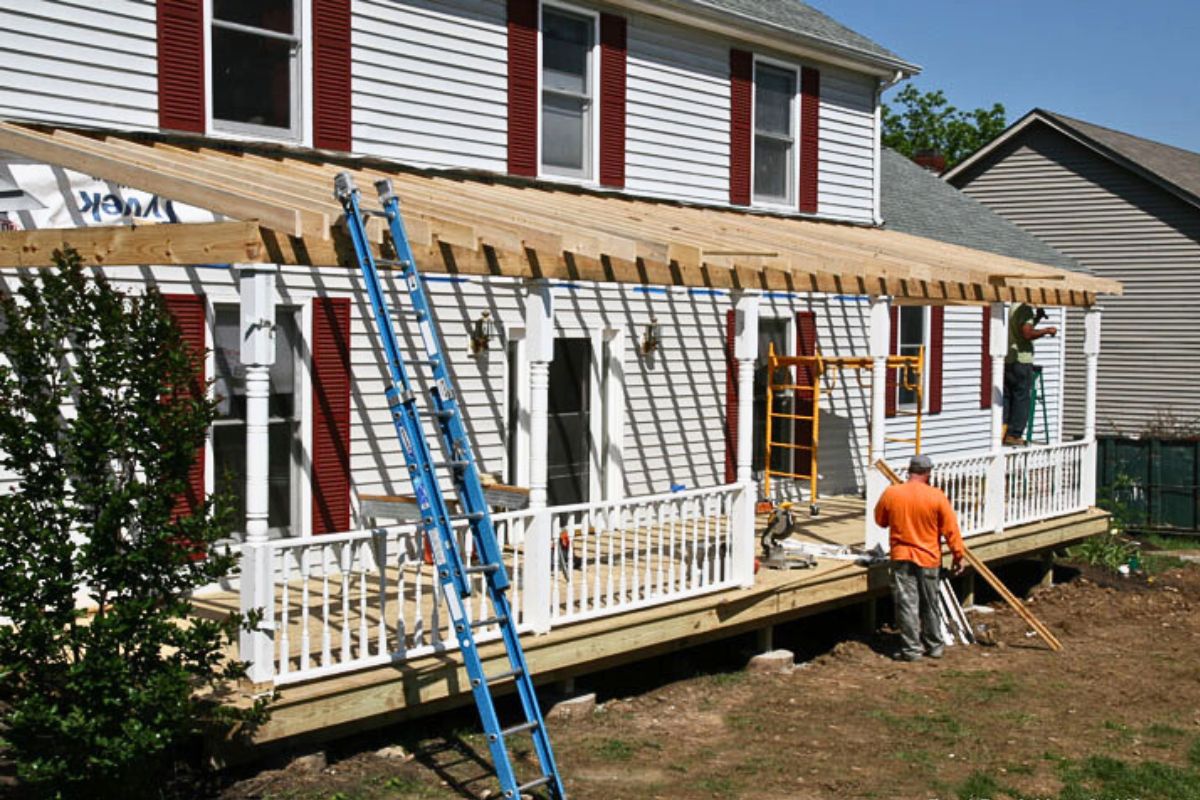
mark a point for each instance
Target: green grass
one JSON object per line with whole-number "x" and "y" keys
{"x": 1194, "y": 753}
{"x": 940, "y": 727}
{"x": 1166, "y": 542}
{"x": 983, "y": 686}
{"x": 721, "y": 679}
{"x": 615, "y": 749}
{"x": 1106, "y": 778}
{"x": 746, "y": 722}
{"x": 719, "y": 787}
{"x": 979, "y": 786}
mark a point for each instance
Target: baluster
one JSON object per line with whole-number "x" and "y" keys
{"x": 364, "y": 646}
{"x": 622, "y": 596}
{"x": 285, "y": 656}
{"x": 305, "y": 642}
{"x": 347, "y": 631}
{"x": 326, "y": 645}
{"x": 672, "y": 515}
{"x": 658, "y": 516}
{"x": 401, "y": 593}
{"x": 598, "y": 527}
{"x": 635, "y": 514}
{"x": 587, "y": 525}
{"x": 555, "y": 569}
{"x": 380, "y": 541}
{"x": 573, "y": 527}
{"x": 611, "y": 537}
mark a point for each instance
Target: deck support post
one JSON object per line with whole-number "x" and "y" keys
{"x": 1047, "y": 566}
{"x": 539, "y": 540}
{"x": 257, "y": 289}
{"x": 879, "y": 339}
{"x": 746, "y": 352}
{"x": 998, "y": 348}
{"x": 1091, "y": 350}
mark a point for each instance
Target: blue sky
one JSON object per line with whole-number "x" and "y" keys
{"x": 1133, "y": 65}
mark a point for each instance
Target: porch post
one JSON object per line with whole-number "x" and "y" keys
{"x": 539, "y": 540}
{"x": 257, "y": 289}
{"x": 998, "y": 347}
{"x": 1091, "y": 350}
{"x": 879, "y": 338}
{"x": 745, "y": 350}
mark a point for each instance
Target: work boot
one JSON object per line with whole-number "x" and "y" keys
{"x": 1015, "y": 441}
{"x": 908, "y": 656}
{"x": 937, "y": 653}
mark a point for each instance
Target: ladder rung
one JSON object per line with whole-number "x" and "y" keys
{"x": 515, "y": 729}
{"x": 391, "y": 262}
{"x": 525, "y": 787}
{"x": 503, "y": 676}
{"x": 791, "y": 446}
{"x": 435, "y": 414}
{"x": 450, "y": 464}
{"x": 422, "y": 362}
{"x": 483, "y": 623}
{"x": 486, "y": 569}
{"x": 407, "y": 312}
{"x": 473, "y": 516}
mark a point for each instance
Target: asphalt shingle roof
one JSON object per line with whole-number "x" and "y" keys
{"x": 796, "y": 17}
{"x": 915, "y": 200}
{"x": 1173, "y": 165}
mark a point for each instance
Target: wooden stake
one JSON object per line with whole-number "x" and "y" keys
{"x": 989, "y": 576}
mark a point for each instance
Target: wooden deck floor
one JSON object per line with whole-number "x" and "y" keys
{"x": 373, "y": 697}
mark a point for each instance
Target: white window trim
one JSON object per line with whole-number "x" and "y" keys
{"x": 297, "y": 302}
{"x": 594, "y": 86}
{"x": 926, "y": 335}
{"x": 301, "y": 103}
{"x": 791, "y": 205}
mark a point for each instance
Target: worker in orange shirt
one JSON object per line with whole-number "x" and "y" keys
{"x": 918, "y": 516}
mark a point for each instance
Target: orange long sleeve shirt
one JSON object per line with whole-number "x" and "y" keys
{"x": 917, "y": 516}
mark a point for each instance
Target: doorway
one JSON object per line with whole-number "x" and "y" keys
{"x": 772, "y": 332}
{"x": 568, "y": 451}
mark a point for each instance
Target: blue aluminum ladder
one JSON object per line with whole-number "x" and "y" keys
{"x": 437, "y": 521}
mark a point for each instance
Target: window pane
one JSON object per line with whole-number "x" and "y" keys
{"x": 229, "y": 380}
{"x": 912, "y": 328}
{"x": 251, "y": 78}
{"x": 566, "y": 43}
{"x": 229, "y": 470}
{"x": 774, "y": 90}
{"x": 564, "y": 132}
{"x": 772, "y": 166}
{"x": 273, "y": 15}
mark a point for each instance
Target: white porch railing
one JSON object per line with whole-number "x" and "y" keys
{"x": 965, "y": 482}
{"x": 1044, "y": 481}
{"x": 614, "y": 557}
{"x": 348, "y": 601}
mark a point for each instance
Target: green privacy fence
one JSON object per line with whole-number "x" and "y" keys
{"x": 1157, "y": 480}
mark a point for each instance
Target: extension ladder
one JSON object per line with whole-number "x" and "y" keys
{"x": 438, "y": 524}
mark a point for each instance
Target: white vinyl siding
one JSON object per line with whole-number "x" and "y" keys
{"x": 79, "y": 62}
{"x": 847, "y": 169}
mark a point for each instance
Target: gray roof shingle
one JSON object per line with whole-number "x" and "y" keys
{"x": 914, "y": 200}
{"x": 793, "y": 16}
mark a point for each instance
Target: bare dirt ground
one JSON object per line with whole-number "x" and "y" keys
{"x": 1116, "y": 715}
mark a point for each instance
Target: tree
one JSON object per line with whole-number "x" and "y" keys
{"x": 100, "y": 418}
{"x": 926, "y": 121}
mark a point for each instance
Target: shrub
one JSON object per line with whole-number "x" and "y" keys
{"x": 100, "y": 418}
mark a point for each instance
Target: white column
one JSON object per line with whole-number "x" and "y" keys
{"x": 993, "y": 513}
{"x": 879, "y": 342}
{"x": 1091, "y": 351}
{"x": 257, "y": 289}
{"x": 539, "y": 542}
{"x": 745, "y": 351}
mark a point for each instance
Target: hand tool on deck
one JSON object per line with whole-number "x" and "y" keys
{"x": 438, "y": 523}
{"x": 989, "y": 576}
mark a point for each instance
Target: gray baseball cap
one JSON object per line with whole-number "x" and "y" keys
{"x": 920, "y": 464}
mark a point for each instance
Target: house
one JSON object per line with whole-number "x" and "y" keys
{"x": 618, "y": 207}
{"x": 1126, "y": 208}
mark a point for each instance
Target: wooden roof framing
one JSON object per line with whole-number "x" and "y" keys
{"x": 481, "y": 225}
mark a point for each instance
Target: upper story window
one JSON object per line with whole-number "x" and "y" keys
{"x": 910, "y": 339}
{"x": 568, "y": 86}
{"x": 774, "y": 134}
{"x": 255, "y": 67}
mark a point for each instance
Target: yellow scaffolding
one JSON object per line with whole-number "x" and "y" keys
{"x": 824, "y": 371}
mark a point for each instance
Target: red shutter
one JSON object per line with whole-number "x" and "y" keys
{"x": 985, "y": 367}
{"x": 331, "y": 415}
{"x": 810, "y": 136}
{"x": 731, "y": 397}
{"x": 806, "y": 345}
{"x": 181, "y": 77}
{"x": 741, "y": 130}
{"x": 612, "y": 100}
{"x": 937, "y": 346}
{"x": 892, "y": 383}
{"x": 331, "y": 74}
{"x": 188, "y": 313}
{"x": 522, "y": 87}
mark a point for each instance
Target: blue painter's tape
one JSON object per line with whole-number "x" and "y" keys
{"x": 445, "y": 279}
{"x": 708, "y": 292}
{"x": 212, "y": 266}
{"x": 570, "y": 287}
{"x": 851, "y": 298}
{"x": 781, "y": 295}
{"x": 651, "y": 290}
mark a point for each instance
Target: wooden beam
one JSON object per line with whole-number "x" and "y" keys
{"x": 198, "y": 243}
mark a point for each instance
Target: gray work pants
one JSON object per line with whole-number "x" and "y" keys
{"x": 915, "y": 592}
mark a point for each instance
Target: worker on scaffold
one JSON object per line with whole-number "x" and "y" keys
{"x": 1019, "y": 369}
{"x": 918, "y": 517}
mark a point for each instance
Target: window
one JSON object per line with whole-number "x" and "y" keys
{"x": 229, "y": 428}
{"x": 568, "y": 43}
{"x": 774, "y": 133}
{"x": 255, "y": 67}
{"x": 910, "y": 340}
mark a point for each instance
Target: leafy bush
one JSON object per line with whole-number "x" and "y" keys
{"x": 100, "y": 418}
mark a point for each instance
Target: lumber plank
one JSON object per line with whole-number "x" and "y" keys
{"x": 200, "y": 243}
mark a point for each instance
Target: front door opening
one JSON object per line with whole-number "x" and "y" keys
{"x": 568, "y": 480}
{"x": 771, "y": 331}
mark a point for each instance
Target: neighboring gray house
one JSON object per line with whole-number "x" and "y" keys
{"x": 1125, "y": 208}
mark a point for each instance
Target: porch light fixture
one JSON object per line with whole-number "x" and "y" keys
{"x": 650, "y": 340}
{"x": 482, "y": 333}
